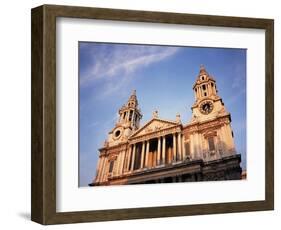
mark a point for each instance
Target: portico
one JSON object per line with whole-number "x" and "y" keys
{"x": 155, "y": 148}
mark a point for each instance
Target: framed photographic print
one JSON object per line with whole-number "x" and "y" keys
{"x": 141, "y": 114}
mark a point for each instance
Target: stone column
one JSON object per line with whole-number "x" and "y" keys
{"x": 121, "y": 162}
{"x": 214, "y": 89}
{"x": 133, "y": 118}
{"x": 229, "y": 131}
{"x": 128, "y": 115}
{"x": 103, "y": 169}
{"x": 129, "y": 158}
{"x": 229, "y": 143}
{"x": 183, "y": 147}
{"x": 163, "y": 150}
{"x": 142, "y": 154}
{"x": 174, "y": 147}
{"x": 147, "y": 152}
{"x": 196, "y": 142}
{"x": 116, "y": 165}
{"x": 192, "y": 146}
{"x": 159, "y": 151}
{"x": 179, "y": 146}
{"x": 98, "y": 171}
{"x": 133, "y": 158}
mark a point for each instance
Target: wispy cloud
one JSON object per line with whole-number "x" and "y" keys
{"x": 115, "y": 64}
{"x": 239, "y": 79}
{"x": 235, "y": 96}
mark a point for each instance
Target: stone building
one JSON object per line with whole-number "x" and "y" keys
{"x": 164, "y": 151}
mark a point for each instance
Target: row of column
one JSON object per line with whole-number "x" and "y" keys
{"x": 178, "y": 152}
{"x": 209, "y": 89}
{"x": 127, "y": 163}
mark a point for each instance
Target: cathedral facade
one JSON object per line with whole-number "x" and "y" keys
{"x": 163, "y": 151}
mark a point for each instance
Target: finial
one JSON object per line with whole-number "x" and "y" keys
{"x": 178, "y": 118}
{"x": 155, "y": 114}
{"x": 134, "y": 92}
{"x": 202, "y": 69}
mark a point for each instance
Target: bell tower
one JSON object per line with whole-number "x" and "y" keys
{"x": 130, "y": 113}
{"x": 204, "y": 86}
{"x": 128, "y": 121}
{"x": 215, "y": 137}
{"x": 208, "y": 104}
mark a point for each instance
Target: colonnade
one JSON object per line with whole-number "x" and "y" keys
{"x": 153, "y": 156}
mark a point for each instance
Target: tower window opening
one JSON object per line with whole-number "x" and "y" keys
{"x": 212, "y": 84}
{"x": 130, "y": 116}
{"x": 203, "y": 78}
{"x": 204, "y": 87}
{"x": 205, "y": 94}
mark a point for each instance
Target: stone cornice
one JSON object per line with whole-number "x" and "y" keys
{"x": 121, "y": 146}
{"x": 173, "y": 123}
{"x": 198, "y": 126}
{"x": 156, "y": 134}
{"x": 213, "y": 98}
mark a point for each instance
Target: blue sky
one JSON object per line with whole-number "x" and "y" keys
{"x": 163, "y": 77}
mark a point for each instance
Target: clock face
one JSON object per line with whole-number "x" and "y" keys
{"x": 117, "y": 133}
{"x": 206, "y": 107}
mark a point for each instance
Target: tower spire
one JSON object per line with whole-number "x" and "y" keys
{"x": 134, "y": 92}
{"x": 202, "y": 69}
{"x": 130, "y": 112}
{"x": 205, "y": 85}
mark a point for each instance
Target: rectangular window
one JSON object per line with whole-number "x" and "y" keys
{"x": 187, "y": 149}
{"x": 211, "y": 143}
{"x": 111, "y": 164}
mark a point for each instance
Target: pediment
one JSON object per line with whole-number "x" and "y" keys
{"x": 154, "y": 125}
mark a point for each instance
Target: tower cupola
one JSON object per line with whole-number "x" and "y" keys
{"x": 130, "y": 112}
{"x": 205, "y": 85}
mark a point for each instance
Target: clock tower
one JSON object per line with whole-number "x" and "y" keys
{"x": 208, "y": 104}
{"x": 209, "y": 131}
{"x": 128, "y": 121}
